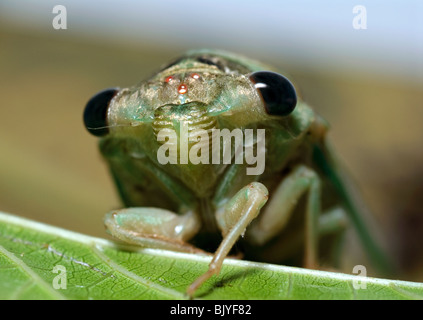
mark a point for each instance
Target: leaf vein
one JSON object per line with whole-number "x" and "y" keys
{"x": 33, "y": 275}
{"x": 144, "y": 282}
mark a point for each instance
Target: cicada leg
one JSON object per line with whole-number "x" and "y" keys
{"x": 275, "y": 216}
{"x": 154, "y": 228}
{"x": 233, "y": 218}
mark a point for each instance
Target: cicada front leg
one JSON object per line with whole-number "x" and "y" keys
{"x": 154, "y": 228}
{"x": 233, "y": 218}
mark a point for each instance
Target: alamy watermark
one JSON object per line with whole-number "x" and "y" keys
{"x": 60, "y": 281}
{"x": 360, "y": 19}
{"x": 205, "y": 147}
{"x": 60, "y": 21}
{"x": 360, "y": 283}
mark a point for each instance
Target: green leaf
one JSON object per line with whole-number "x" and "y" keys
{"x": 94, "y": 268}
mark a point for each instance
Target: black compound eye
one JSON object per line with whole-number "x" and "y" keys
{"x": 95, "y": 113}
{"x": 277, "y": 92}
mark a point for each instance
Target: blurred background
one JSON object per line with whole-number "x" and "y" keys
{"x": 366, "y": 82}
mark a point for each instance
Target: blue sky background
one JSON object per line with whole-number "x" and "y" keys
{"x": 311, "y": 34}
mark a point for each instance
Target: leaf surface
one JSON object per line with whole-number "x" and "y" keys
{"x": 94, "y": 268}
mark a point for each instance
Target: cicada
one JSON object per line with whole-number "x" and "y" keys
{"x": 217, "y": 153}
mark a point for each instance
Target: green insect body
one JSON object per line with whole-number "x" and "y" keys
{"x": 293, "y": 209}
